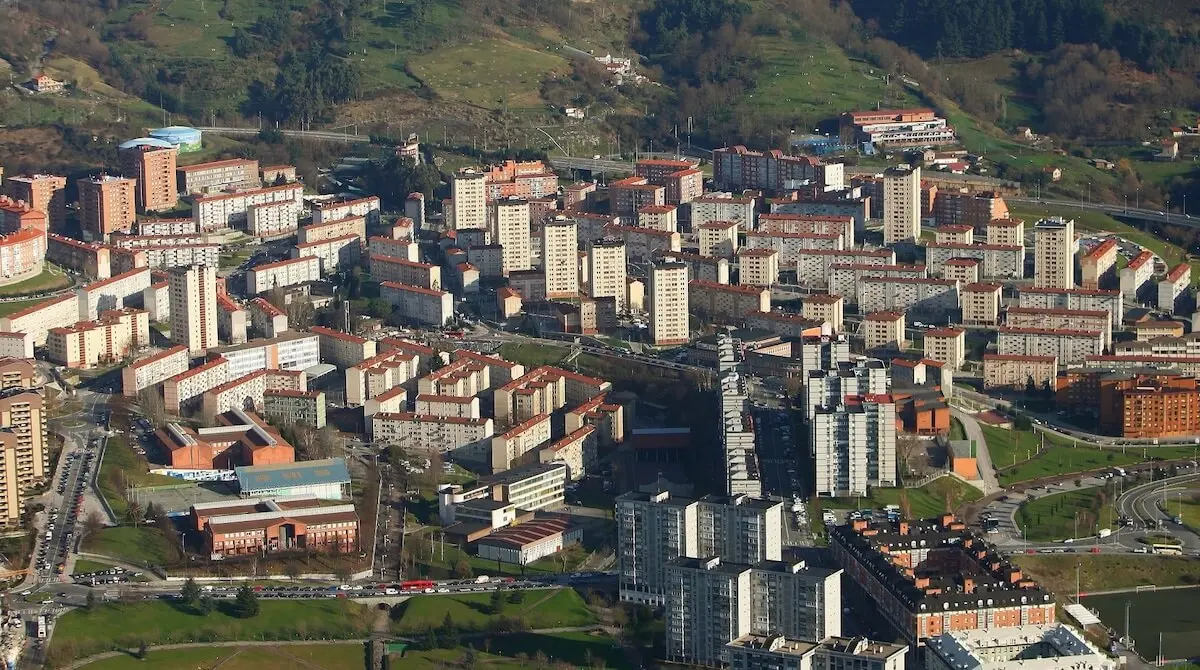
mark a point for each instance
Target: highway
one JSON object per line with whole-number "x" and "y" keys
{"x": 321, "y": 135}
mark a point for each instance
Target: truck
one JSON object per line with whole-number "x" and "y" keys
{"x": 482, "y": 579}
{"x": 1105, "y": 532}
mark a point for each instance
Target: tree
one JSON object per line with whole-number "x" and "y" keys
{"x": 462, "y": 569}
{"x": 468, "y": 658}
{"x": 143, "y": 649}
{"x": 150, "y": 401}
{"x": 134, "y": 513}
{"x": 246, "y": 604}
{"x": 516, "y": 597}
{"x": 91, "y": 600}
{"x": 92, "y": 523}
{"x": 429, "y": 640}
{"x": 293, "y": 570}
{"x": 447, "y": 633}
{"x": 190, "y": 593}
{"x": 205, "y": 606}
{"x": 497, "y": 602}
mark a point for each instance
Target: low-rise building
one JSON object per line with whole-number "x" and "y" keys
{"x": 1078, "y": 319}
{"x": 418, "y": 304}
{"x": 1049, "y": 646}
{"x": 326, "y": 479}
{"x": 333, "y": 254}
{"x": 539, "y": 486}
{"x": 1146, "y": 331}
{"x": 923, "y": 296}
{"x": 726, "y": 302}
{"x": 240, "y": 438}
{"x": 1019, "y": 372}
{"x": 268, "y": 526}
{"x": 527, "y": 542}
{"x": 343, "y": 349}
{"x": 291, "y": 406}
{"x": 464, "y": 439}
{"x": 280, "y": 274}
{"x": 1069, "y": 346}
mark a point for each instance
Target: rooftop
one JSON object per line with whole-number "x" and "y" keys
{"x": 288, "y": 475}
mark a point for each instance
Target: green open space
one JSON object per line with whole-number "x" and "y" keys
{"x": 1101, "y": 572}
{"x": 1188, "y": 508}
{"x": 942, "y": 495}
{"x": 84, "y": 566}
{"x": 1008, "y": 446}
{"x": 489, "y": 73}
{"x": 1067, "y": 515}
{"x": 528, "y": 354}
{"x": 143, "y": 545}
{"x": 122, "y": 468}
{"x": 957, "y": 432}
{"x": 83, "y": 632}
{"x": 1169, "y": 616}
{"x": 12, "y": 306}
{"x": 50, "y": 279}
{"x": 275, "y": 657}
{"x": 443, "y": 562}
{"x": 551, "y": 608}
{"x": 517, "y": 651}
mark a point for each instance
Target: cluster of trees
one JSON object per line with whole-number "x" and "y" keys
{"x": 956, "y": 28}
{"x": 393, "y": 179}
{"x": 245, "y": 605}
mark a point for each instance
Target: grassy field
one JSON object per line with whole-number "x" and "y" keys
{"x": 437, "y": 567}
{"x": 1015, "y": 455}
{"x": 1053, "y": 518}
{"x": 532, "y": 354}
{"x": 489, "y": 73}
{"x": 275, "y": 657}
{"x": 51, "y": 279}
{"x": 7, "y": 308}
{"x": 1169, "y": 614}
{"x": 121, "y": 466}
{"x": 143, "y": 545}
{"x": 1188, "y": 508}
{"x": 84, "y": 566}
{"x": 1006, "y": 446}
{"x": 540, "y": 609}
{"x": 937, "y": 497}
{"x": 81, "y": 633}
{"x": 514, "y": 652}
{"x": 1108, "y": 571}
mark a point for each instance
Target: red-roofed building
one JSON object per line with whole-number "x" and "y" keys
{"x": 527, "y": 542}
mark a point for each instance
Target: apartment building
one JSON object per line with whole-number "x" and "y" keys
{"x": 626, "y": 196}
{"x": 898, "y": 127}
{"x": 758, "y": 267}
{"x": 1098, "y": 265}
{"x": 1061, "y": 319}
{"x": 266, "y": 319}
{"x": 946, "y": 345}
{"x": 511, "y": 230}
{"x": 718, "y": 238}
{"x": 1006, "y": 232}
{"x": 523, "y": 438}
{"x": 533, "y": 487}
{"x": 814, "y": 266}
{"x": 962, "y": 270}
{"x": 520, "y": 179}
{"x": 447, "y": 405}
{"x": 884, "y": 330}
{"x": 187, "y": 386}
{"x": 682, "y": 179}
{"x": 468, "y": 194}
{"x": 854, "y": 445}
{"x": 996, "y": 261}
{"x": 379, "y": 374}
{"x": 38, "y": 319}
{"x": 193, "y": 297}
{"x": 23, "y": 444}
{"x": 1018, "y": 372}
{"x": 216, "y": 176}
{"x": 398, "y": 248}
{"x": 365, "y": 208}
{"x": 643, "y": 244}
{"x": 273, "y": 220}
{"x": 901, "y": 205}
{"x": 112, "y": 293}
{"x": 1148, "y": 331}
{"x": 166, "y": 227}
{"x": 394, "y": 400}
{"x": 44, "y": 193}
{"x": 109, "y": 339}
{"x": 151, "y": 163}
{"x": 18, "y": 215}
{"x": 343, "y": 349}
{"x": 333, "y": 255}
{"x": 659, "y": 217}
{"x": 725, "y": 302}
{"x": 969, "y": 209}
{"x": 1069, "y": 346}
{"x": 963, "y": 584}
{"x": 22, "y": 253}
{"x": 560, "y": 254}
{"x": 1173, "y": 286}
{"x": 466, "y": 439}
{"x": 955, "y": 234}
{"x": 464, "y": 378}
{"x": 1054, "y": 253}
{"x": 1137, "y": 274}
{"x": 708, "y": 268}
{"x": 153, "y": 370}
{"x": 737, "y": 169}
{"x": 276, "y": 174}
{"x": 306, "y": 408}
{"x": 777, "y": 652}
{"x": 1085, "y": 299}
{"x": 723, "y": 206}
{"x": 221, "y": 211}
{"x": 292, "y": 351}
{"x": 824, "y": 307}
{"x": 262, "y": 278}
{"x": 393, "y": 269}
{"x": 1050, "y": 645}
{"x": 930, "y": 296}
{"x": 792, "y": 246}
{"x": 332, "y": 229}
{"x": 417, "y": 304}
{"x": 606, "y": 266}
{"x": 668, "y": 304}
{"x": 829, "y": 385}
{"x": 106, "y": 204}
{"x": 844, "y": 278}
{"x": 823, "y": 224}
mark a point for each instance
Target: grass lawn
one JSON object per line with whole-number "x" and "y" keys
{"x": 580, "y": 649}
{"x": 936, "y": 497}
{"x": 957, "y": 432}
{"x": 1061, "y": 460}
{"x": 1007, "y": 447}
{"x": 84, "y": 566}
{"x": 144, "y": 545}
{"x": 532, "y": 354}
{"x": 1169, "y": 616}
{"x": 1100, "y": 572}
{"x": 281, "y": 657}
{"x": 122, "y": 467}
{"x": 489, "y": 73}
{"x": 1188, "y": 508}
{"x": 123, "y": 625}
{"x": 438, "y": 567}
{"x": 10, "y": 307}
{"x": 1053, "y": 518}
{"x": 51, "y": 279}
{"x": 551, "y": 608}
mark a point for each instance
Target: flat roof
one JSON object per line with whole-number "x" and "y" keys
{"x": 290, "y": 475}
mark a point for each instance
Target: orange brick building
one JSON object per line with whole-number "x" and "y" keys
{"x": 933, "y": 576}
{"x": 44, "y": 193}
{"x": 106, "y": 204}
{"x": 270, "y": 525}
{"x": 1149, "y": 405}
{"x": 240, "y": 438}
{"x": 527, "y": 179}
{"x": 152, "y": 163}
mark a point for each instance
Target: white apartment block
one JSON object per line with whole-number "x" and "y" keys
{"x": 112, "y": 293}
{"x": 962, "y": 270}
{"x": 464, "y": 377}
{"x": 499, "y": 371}
{"x": 606, "y": 266}
{"x": 829, "y": 308}
{"x": 1060, "y": 319}
{"x": 232, "y": 320}
{"x": 792, "y": 245}
{"x": 804, "y": 223}
{"x": 343, "y": 349}
{"x": 1016, "y": 372}
{"x": 718, "y": 238}
{"x": 901, "y": 205}
{"x": 946, "y": 345}
{"x": 390, "y": 401}
{"x": 955, "y": 234}
{"x": 156, "y": 298}
{"x": 659, "y": 217}
{"x": 1174, "y": 285}
{"x": 266, "y": 319}
{"x": 334, "y": 254}
{"x": 560, "y": 258}
{"x": 814, "y": 266}
{"x": 488, "y": 259}
{"x": 173, "y": 256}
{"x": 403, "y": 271}
{"x": 775, "y": 652}
{"x": 365, "y": 208}
{"x": 708, "y": 268}
{"x": 1085, "y": 299}
{"x": 1098, "y": 263}
{"x": 1137, "y": 274}
{"x": 844, "y": 278}
{"x": 996, "y": 261}
{"x": 468, "y": 193}
{"x": 1007, "y": 232}
{"x": 723, "y": 207}
{"x": 1068, "y": 346}
{"x": 726, "y": 302}
{"x": 469, "y": 439}
{"x": 854, "y": 445}
{"x": 166, "y": 227}
{"x": 153, "y": 370}
{"x": 417, "y": 304}
{"x": 448, "y": 405}
{"x": 379, "y": 374}
{"x": 758, "y": 267}
{"x": 826, "y": 386}
{"x": 38, "y": 319}
{"x": 643, "y": 244}
{"x": 519, "y": 440}
{"x": 667, "y": 294}
{"x": 331, "y": 229}
{"x": 234, "y": 394}
{"x": 981, "y": 304}
{"x": 192, "y": 383}
{"x": 923, "y": 295}
{"x": 1054, "y": 253}
{"x": 511, "y": 230}
{"x": 273, "y": 219}
{"x": 884, "y": 330}
{"x": 216, "y": 176}
{"x": 193, "y": 297}
{"x": 229, "y": 210}
{"x": 280, "y": 274}
{"x": 576, "y": 450}
{"x": 399, "y": 248}
{"x": 290, "y": 351}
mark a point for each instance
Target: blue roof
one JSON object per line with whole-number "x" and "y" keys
{"x": 146, "y": 141}
{"x": 291, "y": 475}
{"x": 175, "y": 131}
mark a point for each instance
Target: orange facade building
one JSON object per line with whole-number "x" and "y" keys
{"x": 270, "y": 525}
{"x": 107, "y": 204}
{"x": 44, "y": 193}
{"x": 153, "y": 166}
{"x": 1149, "y": 405}
{"x": 240, "y": 438}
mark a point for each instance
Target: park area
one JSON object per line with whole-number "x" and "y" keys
{"x": 1171, "y": 616}
{"x": 1108, "y": 571}
{"x": 338, "y": 656}
{"x": 551, "y": 608}
{"x": 1073, "y": 514}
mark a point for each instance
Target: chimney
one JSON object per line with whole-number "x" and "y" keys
{"x": 904, "y": 528}
{"x": 859, "y": 525}
{"x": 945, "y": 520}
{"x": 968, "y": 585}
{"x": 921, "y": 582}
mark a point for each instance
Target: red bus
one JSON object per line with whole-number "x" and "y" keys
{"x": 417, "y": 585}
